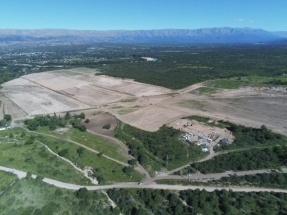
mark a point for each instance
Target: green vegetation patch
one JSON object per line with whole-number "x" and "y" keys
{"x": 251, "y": 137}
{"x": 227, "y": 83}
{"x": 204, "y": 91}
{"x": 129, "y": 100}
{"x": 127, "y": 110}
{"x": 6, "y": 179}
{"x": 105, "y": 170}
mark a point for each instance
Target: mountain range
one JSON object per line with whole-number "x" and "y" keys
{"x": 204, "y": 35}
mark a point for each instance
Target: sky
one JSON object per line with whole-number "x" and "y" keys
{"x": 269, "y": 15}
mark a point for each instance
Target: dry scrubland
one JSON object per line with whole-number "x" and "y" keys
{"x": 142, "y": 105}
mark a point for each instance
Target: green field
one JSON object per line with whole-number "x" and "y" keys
{"x": 108, "y": 171}
{"x": 14, "y": 153}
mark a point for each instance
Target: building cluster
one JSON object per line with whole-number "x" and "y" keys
{"x": 203, "y": 141}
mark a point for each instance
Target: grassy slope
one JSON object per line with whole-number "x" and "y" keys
{"x": 110, "y": 170}
{"x": 93, "y": 141}
{"x": 27, "y": 196}
{"x": 36, "y": 159}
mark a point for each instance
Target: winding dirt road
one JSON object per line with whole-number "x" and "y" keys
{"x": 59, "y": 184}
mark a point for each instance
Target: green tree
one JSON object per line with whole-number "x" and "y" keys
{"x": 7, "y": 117}
{"x": 82, "y": 128}
{"x": 67, "y": 116}
{"x": 82, "y": 116}
{"x": 128, "y": 169}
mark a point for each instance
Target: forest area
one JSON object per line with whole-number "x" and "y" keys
{"x": 144, "y": 202}
{"x": 179, "y": 67}
{"x": 254, "y": 159}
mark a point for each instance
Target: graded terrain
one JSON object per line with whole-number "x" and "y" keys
{"x": 143, "y": 105}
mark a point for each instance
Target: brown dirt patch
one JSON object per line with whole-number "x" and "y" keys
{"x": 97, "y": 122}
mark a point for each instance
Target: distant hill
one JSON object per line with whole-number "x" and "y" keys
{"x": 205, "y": 35}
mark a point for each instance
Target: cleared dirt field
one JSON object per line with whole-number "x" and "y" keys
{"x": 8, "y": 107}
{"x": 246, "y": 106}
{"x": 34, "y": 99}
{"x": 142, "y": 105}
{"x": 151, "y": 118}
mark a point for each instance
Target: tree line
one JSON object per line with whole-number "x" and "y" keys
{"x": 54, "y": 121}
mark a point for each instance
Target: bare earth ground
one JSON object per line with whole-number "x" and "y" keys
{"x": 35, "y": 99}
{"x": 8, "y": 107}
{"x": 98, "y": 121}
{"x": 142, "y": 105}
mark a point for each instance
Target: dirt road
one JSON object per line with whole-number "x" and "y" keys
{"x": 215, "y": 176}
{"x": 59, "y": 184}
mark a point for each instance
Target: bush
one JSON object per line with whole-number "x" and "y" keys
{"x": 82, "y": 128}
{"x": 87, "y": 121}
{"x": 30, "y": 140}
{"x": 107, "y": 126}
{"x": 63, "y": 152}
{"x": 82, "y": 116}
{"x": 82, "y": 193}
{"x": 132, "y": 162}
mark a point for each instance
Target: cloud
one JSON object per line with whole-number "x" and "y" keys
{"x": 238, "y": 20}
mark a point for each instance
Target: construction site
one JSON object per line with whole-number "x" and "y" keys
{"x": 145, "y": 106}
{"x": 198, "y": 133}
